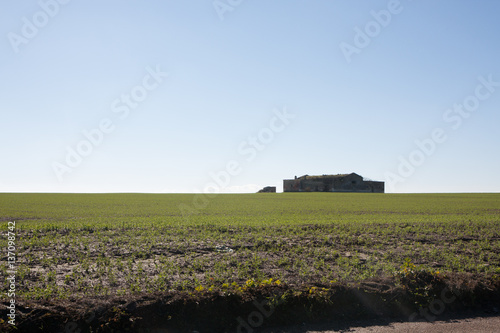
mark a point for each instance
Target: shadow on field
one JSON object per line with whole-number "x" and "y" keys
{"x": 418, "y": 297}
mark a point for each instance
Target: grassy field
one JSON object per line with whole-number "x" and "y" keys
{"x": 71, "y": 246}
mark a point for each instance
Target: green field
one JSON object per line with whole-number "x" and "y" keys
{"x": 124, "y": 243}
{"x": 86, "y": 245}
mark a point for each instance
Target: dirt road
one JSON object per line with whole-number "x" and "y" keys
{"x": 483, "y": 325}
{"x": 469, "y": 323}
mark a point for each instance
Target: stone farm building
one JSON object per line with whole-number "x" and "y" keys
{"x": 332, "y": 183}
{"x": 268, "y": 189}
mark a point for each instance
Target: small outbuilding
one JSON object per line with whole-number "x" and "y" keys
{"x": 268, "y": 189}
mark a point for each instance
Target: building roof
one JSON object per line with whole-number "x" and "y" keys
{"x": 328, "y": 176}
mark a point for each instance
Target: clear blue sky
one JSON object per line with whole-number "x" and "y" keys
{"x": 256, "y": 92}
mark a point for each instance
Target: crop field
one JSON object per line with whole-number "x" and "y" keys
{"x": 71, "y": 247}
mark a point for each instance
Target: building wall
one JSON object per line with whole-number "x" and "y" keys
{"x": 348, "y": 183}
{"x": 376, "y": 187}
{"x": 291, "y": 185}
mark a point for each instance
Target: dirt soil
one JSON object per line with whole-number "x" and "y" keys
{"x": 345, "y": 307}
